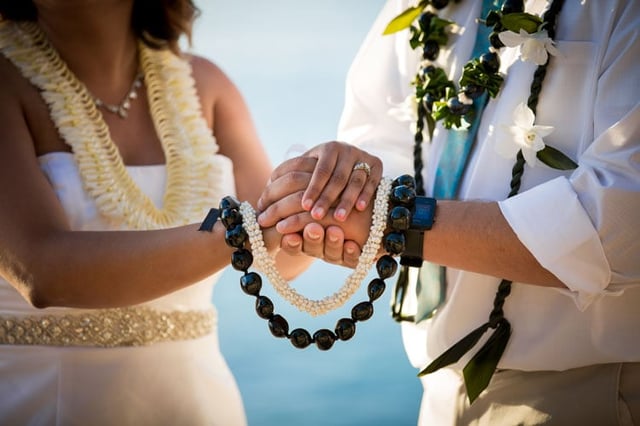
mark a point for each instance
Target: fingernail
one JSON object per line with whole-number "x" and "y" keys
{"x": 361, "y": 204}
{"x": 307, "y": 204}
{"x": 281, "y": 226}
{"x": 317, "y": 213}
{"x": 340, "y": 214}
{"x": 262, "y": 217}
{"x": 293, "y": 244}
{"x": 333, "y": 238}
{"x": 314, "y": 235}
{"x": 349, "y": 250}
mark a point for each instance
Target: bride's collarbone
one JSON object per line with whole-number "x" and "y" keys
{"x": 136, "y": 138}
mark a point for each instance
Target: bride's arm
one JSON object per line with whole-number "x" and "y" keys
{"x": 51, "y": 265}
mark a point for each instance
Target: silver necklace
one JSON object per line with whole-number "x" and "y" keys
{"x": 122, "y": 109}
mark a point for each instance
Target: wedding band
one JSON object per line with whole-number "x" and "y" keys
{"x": 365, "y": 167}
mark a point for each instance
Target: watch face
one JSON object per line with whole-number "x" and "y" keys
{"x": 423, "y": 213}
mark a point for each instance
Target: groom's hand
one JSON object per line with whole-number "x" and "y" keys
{"x": 323, "y": 177}
{"x": 344, "y": 177}
{"x": 283, "y": 195}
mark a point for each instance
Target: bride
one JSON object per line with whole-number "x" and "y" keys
{"x": 114, "y": 146}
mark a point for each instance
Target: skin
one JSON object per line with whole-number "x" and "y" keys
{"x": 334, "y": 185}
{"x": 469, "y": 235}
{"x": 47, "y": 262}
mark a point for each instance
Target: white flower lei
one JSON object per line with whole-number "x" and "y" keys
{"x": 267, "y": 264}
{"x": 189, "y": 146}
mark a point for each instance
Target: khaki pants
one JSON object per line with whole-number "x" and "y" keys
{"x": 599, "y": 395}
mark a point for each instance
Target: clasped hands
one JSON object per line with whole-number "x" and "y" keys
{"x": 320, "y": 203}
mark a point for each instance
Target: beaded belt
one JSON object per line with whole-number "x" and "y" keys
{"x": 134, "y": 326}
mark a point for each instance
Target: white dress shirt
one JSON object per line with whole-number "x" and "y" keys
{"x": 582, "y": 225}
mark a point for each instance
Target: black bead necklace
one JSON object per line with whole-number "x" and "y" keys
{"x": 402, "y": 195}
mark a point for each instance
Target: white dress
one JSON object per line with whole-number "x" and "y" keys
{"x": 180, "y": 382}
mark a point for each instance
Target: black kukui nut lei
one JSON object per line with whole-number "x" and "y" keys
{"x": 403, "y": 194}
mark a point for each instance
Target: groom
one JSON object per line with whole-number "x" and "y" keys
{"x": 553, "y": 252}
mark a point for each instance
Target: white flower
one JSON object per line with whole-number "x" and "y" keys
{"x": 533, "y": 47}
{"x": 522, "y": 135}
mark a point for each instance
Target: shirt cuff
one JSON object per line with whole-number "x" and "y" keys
{"x": 551, "y": 222}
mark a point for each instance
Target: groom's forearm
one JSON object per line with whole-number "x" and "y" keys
{"x": 475, "y": 236}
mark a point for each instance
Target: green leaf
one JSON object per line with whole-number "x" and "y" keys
{"x": 431, "y": 125}
{"x": 555, "y": 159}
{"x": 478, "y": 372}
{"x": 416, "y": 37}
{"x": 440, "y": 110}
{"x": 453, "y": 121}
{"x": 403, "y": 20}
{"x": 437, "y": 31}
{"x": 516, "y": 21}
{"x": 437, "y": 83}
{"x": 454, "y": 353}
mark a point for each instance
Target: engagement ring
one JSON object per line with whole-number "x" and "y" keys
{"x": 361, "y": 165}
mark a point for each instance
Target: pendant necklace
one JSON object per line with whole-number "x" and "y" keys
{"x": 122, "y": 109}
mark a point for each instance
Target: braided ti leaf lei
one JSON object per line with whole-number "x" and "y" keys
{"x": 440, "y": 99}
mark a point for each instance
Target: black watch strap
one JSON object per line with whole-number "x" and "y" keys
{"x": 412, "y": 254}
{"x": 210, "y": 220}
{"x": 422, "y": 217}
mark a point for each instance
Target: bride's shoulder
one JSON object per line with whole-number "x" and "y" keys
{"x": 205, "y": 71}
{"x": 210, "y": 79}
{"x": 213, "y": 85}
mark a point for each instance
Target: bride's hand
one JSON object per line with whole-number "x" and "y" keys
{"x": 326, "y": 244}
{"x": 318, "y": 179}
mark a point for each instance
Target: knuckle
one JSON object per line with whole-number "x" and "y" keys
{"x": 359, "y": 179}
{"x": 294, "y": 221}
{"x": 324, "y": 171}
{"x": 339, "y": 178}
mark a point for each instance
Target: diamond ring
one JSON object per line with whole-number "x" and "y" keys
{"x": 365, "y": 167}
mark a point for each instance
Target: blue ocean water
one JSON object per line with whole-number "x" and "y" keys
{"x": 289, "y": 58}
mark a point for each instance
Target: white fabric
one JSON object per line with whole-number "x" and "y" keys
{"x": 182, "y": 382}
{"x": 581, "y": 225}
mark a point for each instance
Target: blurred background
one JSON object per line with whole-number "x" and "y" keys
{"x": 290, "y": 58}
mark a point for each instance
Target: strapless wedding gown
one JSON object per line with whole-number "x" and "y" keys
{"x": 182, "y": 382}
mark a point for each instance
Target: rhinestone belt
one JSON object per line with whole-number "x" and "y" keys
{"x": 134, "y": 326}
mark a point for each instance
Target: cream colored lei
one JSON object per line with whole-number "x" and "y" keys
{"x": 266, "y": 263}
{"x": 193, "y": 179}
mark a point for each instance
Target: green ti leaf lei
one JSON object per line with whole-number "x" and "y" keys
{"x": 440, "y": 98}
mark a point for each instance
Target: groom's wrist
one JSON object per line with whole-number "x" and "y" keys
{"x": 422, "y": 217}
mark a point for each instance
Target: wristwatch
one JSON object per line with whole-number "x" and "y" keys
{"x": 422, "y": 216}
